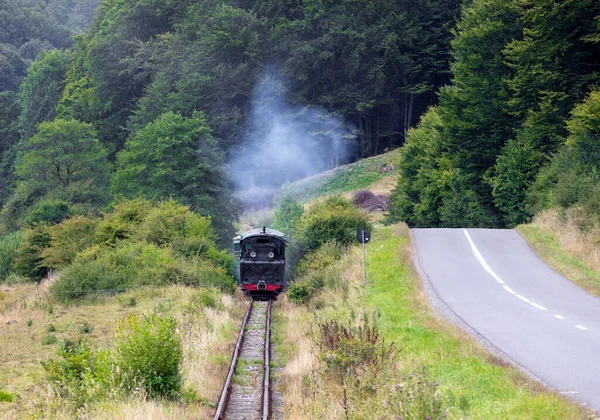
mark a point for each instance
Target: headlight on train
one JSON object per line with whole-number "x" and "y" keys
{"x": 271, "y": 255}
{"x": 253, "y": 254}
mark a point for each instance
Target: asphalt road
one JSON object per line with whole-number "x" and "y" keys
{"x": 495, "y": 283}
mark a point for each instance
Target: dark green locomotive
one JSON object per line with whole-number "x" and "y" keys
{"x": 262, "y": 261}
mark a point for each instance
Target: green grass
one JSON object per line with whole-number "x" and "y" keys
{"x": 549, "y": 249}
{"x": 344, "y": 178}
{"x": 6, "y": 396}
{"x": 477, "y": 385}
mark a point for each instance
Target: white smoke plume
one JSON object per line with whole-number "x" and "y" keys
{"x": 284, "y": 143}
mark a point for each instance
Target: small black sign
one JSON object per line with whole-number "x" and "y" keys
{"x": 363, "y": 236}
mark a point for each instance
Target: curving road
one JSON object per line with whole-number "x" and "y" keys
{"x": 499, "y": 287}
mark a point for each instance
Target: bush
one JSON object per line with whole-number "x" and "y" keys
{"x": 123, "y": 221}
{"x": 49, "y": 211}
{"x": 84, "y": 277}
{"x": 299, "y": 293}
{"x": 334, "y": 218}
{"x": 148, "y": 353}
{"x": 170, "y": 220}
{"x": 29, "y": 261}
{"x": 9, "y": 248}
{"x": 80, "y": 374}
{"x": 67, "y": 239}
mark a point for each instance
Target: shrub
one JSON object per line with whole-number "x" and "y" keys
{"x": 67, "y": 239}
{"x": 334, "y": 218}
{"x": 148, "y": 353}
{"x": 28, "y": 261}
{"x": 123, "y": 221}
{"x": 83, "y": 277}
{"x": 80, "y": 374}
{"x": 299, "y": 293}
{"x": 9, "y": 248}
{"x": 15, "y": 278}
{"x": 204, "y": 274}
{"x": 49, "y": 211}
{"x": 170, "y": 220}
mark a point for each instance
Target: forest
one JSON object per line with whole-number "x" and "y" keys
{"x": 494, "y": 102}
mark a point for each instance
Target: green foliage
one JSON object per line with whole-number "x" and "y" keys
{"x": 316, "y": 271}
{"x": 288, "y": 214}
{"x": 417, "y": 197}
{"x": 29, "y": 261}
{"x": 515, "y": 171}
{"x": 41, "y": 90}
{"x": 299, "y": 293}
{"x": 136, "y": 245}
{"x": 80, "y": 373}
{"x": 67, "y": 239}
{"x": 333, "y": 218}
{"x": 6, "y": 396}
{"x": 572, "y": 178}
{"x": 122, "y": 221}
{"x": 9, "y": 248}
{"x": 175, "y": 156}
{"x": 66, "y": 155}
{"x": 48, "y": 211}
{"x": 148, "y": 353}
{"x": 115, "y": 269}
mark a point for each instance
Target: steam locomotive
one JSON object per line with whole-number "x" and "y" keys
{"x": 261, "y": 253}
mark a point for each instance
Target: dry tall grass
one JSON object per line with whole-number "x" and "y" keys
{"x": 207, "y": 333}
{"x": 575, "y": 234}
{"x": 568, "y": 240}
{"x": 305, "y": 392}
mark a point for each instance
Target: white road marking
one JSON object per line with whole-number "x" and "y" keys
{"x": 569, "y": 392}
{"x": 509, "y": 290}
{"x": 580, "y": 327}
{"x": 487, "y": 268}
{"x": 480, "y": 258}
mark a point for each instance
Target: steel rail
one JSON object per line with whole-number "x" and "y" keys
{"x": 227, "y": 386}
{"x": 267, "y": 360}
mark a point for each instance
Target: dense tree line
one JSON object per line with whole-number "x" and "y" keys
{"x": 508, "y": 135}
{"x": 161, "y": 92}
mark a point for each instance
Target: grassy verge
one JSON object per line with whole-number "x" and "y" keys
{"x": 478, "y": 385}
{"x": 361, "y": 174}
{"x": 567, "y": 248}
{"x": 472, "y": 383}
{"x": 206, "y": 324}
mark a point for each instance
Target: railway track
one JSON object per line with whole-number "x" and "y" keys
{"x": 246, "y": 393}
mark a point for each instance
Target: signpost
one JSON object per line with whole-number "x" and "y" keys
{"x": 364, "y": 236}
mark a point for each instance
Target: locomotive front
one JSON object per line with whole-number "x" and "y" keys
{"x": 262, "y": 261}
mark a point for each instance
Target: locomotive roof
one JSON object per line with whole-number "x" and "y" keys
{"x": 259, "y": 232}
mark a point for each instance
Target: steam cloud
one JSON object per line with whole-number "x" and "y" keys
{"x": 284, "y": 143}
